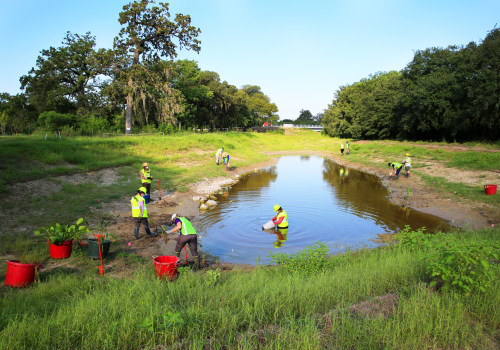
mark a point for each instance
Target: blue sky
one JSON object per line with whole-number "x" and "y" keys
{"x": 298, "y": 52}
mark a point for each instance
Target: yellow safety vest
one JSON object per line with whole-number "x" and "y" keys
{"x": 146, "y": 174}
{"x": 284, "y": 223}
{"x": 187, "y": 227}
{"x": 136, "y": 209}
{"x": 341, "y": 145}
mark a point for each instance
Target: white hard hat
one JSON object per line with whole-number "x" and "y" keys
{"x": 173, "y": 216}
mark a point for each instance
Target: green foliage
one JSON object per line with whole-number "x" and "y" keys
{"x": 56, "y": 121}
{"x": 412, "y": 239}
{"x": 453, "y": 263}
{"x": 93, "y": 125}
{"x": 58, "y": 234}
{"x": 161, "y": 322}
{"x": 462, "y": 266}
{"x": 212, "y": 277}
{"x": 442, "y": 94}
{"x": 167, "y": 129}
{"x": 309, "y": 260}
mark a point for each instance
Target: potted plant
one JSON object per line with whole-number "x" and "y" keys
{"x": 60, "y": 238}
{"x": 93, "y": 243}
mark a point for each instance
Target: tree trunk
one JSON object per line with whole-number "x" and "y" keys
{"x": 130, "y": 102}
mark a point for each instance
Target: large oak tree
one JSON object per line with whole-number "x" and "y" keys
{"x": 148, "y": 36}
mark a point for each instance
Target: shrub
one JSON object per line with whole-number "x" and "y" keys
{"x": 55, "y": 121}
{"x": 308, "y": 260}
{"x": 167, "y": 128}
{"x": 92, "y": 125}
{"x": 463, "y": 266}
{"x": 413, "y": 239}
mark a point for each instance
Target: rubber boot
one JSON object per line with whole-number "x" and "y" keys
{"x": 136, "y": 233}
{"x": 196, "y": 263}
{"x": 150, "y": 234}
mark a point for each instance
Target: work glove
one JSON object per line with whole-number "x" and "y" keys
{"x": 169, "y": 231}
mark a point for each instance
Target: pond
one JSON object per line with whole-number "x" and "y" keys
{"x": 326, "y": 202}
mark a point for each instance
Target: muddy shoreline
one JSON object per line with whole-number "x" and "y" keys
{"x": 423, "y": 198}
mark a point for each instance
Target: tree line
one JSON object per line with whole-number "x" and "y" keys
{"x": 450, "y": 94}
{"x": 136, "y": 85}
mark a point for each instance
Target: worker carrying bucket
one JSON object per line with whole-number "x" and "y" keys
{"x": 187, "y": 235}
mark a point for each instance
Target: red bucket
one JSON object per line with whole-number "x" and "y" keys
{"x": 61, "y": 251}
{"x": 20, "y": 275}
{"x": 166, "y": 267}
{"x": 490, "y": 189}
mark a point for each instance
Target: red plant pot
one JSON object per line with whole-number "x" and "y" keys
{"x": 20, "y": 275}
{"x": 61, "y": 251}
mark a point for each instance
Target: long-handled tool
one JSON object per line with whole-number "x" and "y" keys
{"x": 101, "y": 268}
{"x": 159, "y": 188}
{"x": 185, "y": 251}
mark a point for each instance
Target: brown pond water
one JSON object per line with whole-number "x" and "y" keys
{"x": 326, "y": 202}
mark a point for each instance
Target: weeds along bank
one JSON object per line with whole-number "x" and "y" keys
{"x": 377, "y": 299}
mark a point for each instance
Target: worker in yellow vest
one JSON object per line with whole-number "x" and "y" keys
{"x": 187, "y": 235}
{"x": 341, "y": 148}
{"x": 146, "y": 178}
{"x": 407, "y": 163}
{"x": 281, "y": 219}
{"x": 396, "y": 168}
{"x": 140, "y": 212}
{"x": 218, "y": 155}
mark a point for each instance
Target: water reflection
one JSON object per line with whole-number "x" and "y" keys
{"x": 324, "y": 201}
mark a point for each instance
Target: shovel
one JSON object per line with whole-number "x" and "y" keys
{"x": 101, "y": 268}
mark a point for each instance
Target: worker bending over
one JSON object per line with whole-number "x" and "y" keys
{"x": 187, "y": 235}
{"x": 146, "y": 178}
{"x": 281, "y": 219}
{"x": 225, "y": 160}
{"x": 396, "y": 168}
{"x": 140, "y": 212}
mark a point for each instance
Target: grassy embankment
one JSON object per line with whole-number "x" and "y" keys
{"x": 73, "y": 307}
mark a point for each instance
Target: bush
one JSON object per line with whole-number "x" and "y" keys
{"x": 463, "y": 266}
{"x": 167, "y": 128}
{"x": 413, "y": 239}
{"x": 92, "y": 125}
{"x": 56, "y": 121}
{"x": 309, "y": 260}
{"x": 452, "y": 263}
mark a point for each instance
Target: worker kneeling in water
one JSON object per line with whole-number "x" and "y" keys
{"x": 281, "y": 219}
{"x": 187, "y": 235}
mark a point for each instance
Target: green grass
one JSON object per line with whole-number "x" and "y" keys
{"x": 73, "y": 307}
{"x": 71, "y": 310}
{"x": 460, "y": 190}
